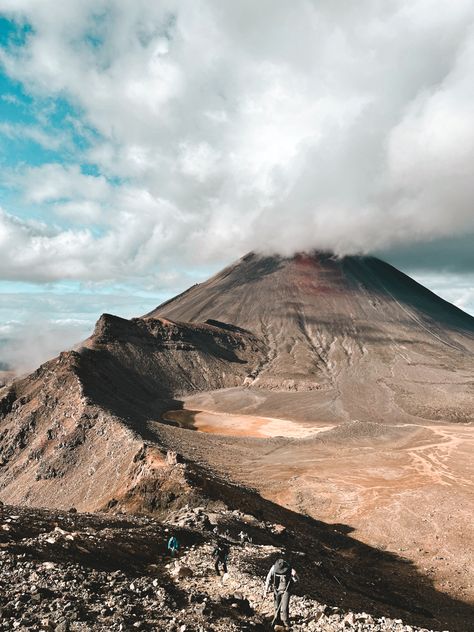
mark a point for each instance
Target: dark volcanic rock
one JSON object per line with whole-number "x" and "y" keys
{"x": 63, "y": 572}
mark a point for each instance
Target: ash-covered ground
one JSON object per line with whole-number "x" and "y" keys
{"x": 63, "y": 571}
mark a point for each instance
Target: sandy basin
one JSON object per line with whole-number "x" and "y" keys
{"x": 237, "y": 425}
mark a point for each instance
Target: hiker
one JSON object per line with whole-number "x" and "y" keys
{"x": 281, "y": 578}
{"x": 243, "y": 537}
{"x": 173, "y": 545}
{"x": 221, "y": 553}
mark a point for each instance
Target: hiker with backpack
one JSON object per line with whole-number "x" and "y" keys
{"x": 221, "y": 554}
{"x": 281, "y": 578}
{"x": 173, "y": 545}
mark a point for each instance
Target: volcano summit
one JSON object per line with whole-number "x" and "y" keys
{"x": 353, "y": 337}
{"x": 338, "y": 388}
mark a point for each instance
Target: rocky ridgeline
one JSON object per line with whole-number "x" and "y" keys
{"x": 64, "y": 571}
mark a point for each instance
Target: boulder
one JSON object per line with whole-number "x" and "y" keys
{"x": 349, "y": 620}
{"x": 181, "y": 572}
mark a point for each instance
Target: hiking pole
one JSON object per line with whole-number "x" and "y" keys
{"x": 276, "y": 615}
{"x": 337, "y": 580}
{"x": 279, "y": 606}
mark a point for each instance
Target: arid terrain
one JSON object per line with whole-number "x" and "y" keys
{"x": 69, "y": 572}
{"x": 336, "y": 391}
{"x": 407, "y": 489}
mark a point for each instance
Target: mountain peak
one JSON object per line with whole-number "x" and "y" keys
{"x": 337, "y": 325}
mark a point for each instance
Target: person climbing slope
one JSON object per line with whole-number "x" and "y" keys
{"x": 221, "y": 554}
{"x": 173, "y": 545}
{"x": 281, "y": 578}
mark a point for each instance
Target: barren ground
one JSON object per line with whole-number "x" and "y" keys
{"x": 404, "y": 488}
{"x": 233, "y": 425}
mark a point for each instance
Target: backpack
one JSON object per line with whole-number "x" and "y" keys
{"x": 173, "y": 543}
{"x": 221, "y": 551}
{"x": 282, "y": 581}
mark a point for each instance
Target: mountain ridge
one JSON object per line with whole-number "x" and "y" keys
{"x": 278, "y": 354}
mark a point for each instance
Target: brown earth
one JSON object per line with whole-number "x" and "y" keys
{"x": 338, "y": 389}
{"x": 232, "y": 425}
{"x": 408, "y": 489}
{"x": 72, "y": 433}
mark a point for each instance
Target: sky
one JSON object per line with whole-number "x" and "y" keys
{"x": 144, "y": 145}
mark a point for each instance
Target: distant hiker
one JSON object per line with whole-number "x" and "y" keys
{"x": 221, "y": 554}
{"x": 173, "y": 545}
{"x": 281, "y": 578}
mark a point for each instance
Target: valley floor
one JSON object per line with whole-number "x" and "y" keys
{"x": 407, "y": 489}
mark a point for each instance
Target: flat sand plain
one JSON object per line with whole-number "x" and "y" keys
{"x": 406, "y": 488}
{"x": 235, "y": 425}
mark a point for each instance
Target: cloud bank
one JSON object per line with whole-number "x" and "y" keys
{"x": 221, "y": 127}
{"x": 39, "y": 321}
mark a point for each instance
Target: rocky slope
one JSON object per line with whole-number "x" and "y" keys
{"x": 81, "y": 572}
{"x": 307, "y": 338}
{"x": 316, "y": 341}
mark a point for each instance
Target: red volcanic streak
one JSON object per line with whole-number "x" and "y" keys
{"x": 319, "y": 273}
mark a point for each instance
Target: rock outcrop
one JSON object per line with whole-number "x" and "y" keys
{"x": 74, "y": 431}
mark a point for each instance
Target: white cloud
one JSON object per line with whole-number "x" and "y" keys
{"x": 26, "y": 345}
{"x": 82, "y": 211}
{"x": 31, "y": 132}
{"x": 231, "y": 126}
{"x": 52, "y": 182}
